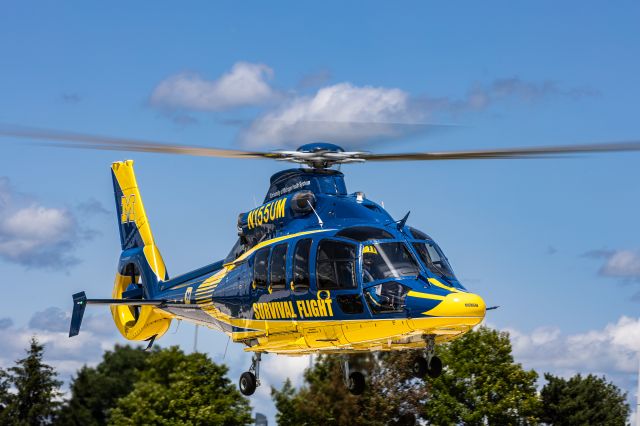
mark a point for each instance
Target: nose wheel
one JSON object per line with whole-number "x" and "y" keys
{"x": 354, "y": 380}
{"x": 429, "y": 364}
{"x": 250, "y": 380}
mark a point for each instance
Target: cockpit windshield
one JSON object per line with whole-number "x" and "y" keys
{"x": 387, "y": 260}
{"x": 434, "y": 258}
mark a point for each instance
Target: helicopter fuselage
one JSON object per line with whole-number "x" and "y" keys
{"x": 318, "y": 270}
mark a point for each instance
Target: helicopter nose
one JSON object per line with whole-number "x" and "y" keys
{"x": 460, "y": 305}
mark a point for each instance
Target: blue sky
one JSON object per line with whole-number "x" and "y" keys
{"x": 554, "y": 242}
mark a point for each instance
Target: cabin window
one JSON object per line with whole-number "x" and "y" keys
{"x": 336, "y": 265}
{"x": 350, "y": 303}
{"x": 387, "y": 260}
{"x": 260, "y": 268}
{"x": 301, "y": 265}
{"x": 364, "y": 233}
{"x": 279, "y": 267}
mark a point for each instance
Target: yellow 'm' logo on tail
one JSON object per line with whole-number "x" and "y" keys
{"x": 128, "y": 212}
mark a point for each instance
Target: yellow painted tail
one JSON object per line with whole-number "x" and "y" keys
{"x": 135, "y": 231}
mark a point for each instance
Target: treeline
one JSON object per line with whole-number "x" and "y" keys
{"x": 129, "y": 387}
{"x": 480, "y": 385}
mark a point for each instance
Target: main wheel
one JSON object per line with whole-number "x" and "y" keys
{"x": 420, "y": 367}
{"x": 356, "y": 383}
{"x": 247, "y": 383}
{"x": 435, "y": 367}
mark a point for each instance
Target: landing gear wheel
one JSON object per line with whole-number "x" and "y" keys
{"x": 420, "y": 367}
{"x": 247, "y": 383}
{"x": 435, "y": 367}
{"x": 356, "y": 383}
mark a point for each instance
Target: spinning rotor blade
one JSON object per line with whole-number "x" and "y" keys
{"x": 78, "y": 140}
{"x": 526, "y": 152}
{"x": 317, "y": 159}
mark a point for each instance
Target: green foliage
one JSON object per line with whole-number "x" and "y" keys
{"x": 583, "y": 400}
{"x": 481, "y": 383}
{"x": 94, "y": 391}
{"x": 392, "y": 395}
{"x": 35, "y": 401}
{"x": 4, "y": 391}
{"x": 178, "y": 389}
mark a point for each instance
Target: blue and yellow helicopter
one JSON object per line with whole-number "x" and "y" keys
{"x": 315, "y": 269}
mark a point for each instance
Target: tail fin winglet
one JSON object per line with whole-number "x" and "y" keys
{"x": 79, "y": 305}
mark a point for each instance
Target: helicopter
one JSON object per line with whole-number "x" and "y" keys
{"x": 315, "y": 269}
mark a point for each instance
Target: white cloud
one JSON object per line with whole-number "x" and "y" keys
{"x": 622, "y": 264}
{"x": 482, "y": 95}
{"x": 246, "y": 84}
{"x": 339, "y": 113}
{"x": 35, "y": 235}
{"x": 612, "y": 351}
{"x": 349, "y": 114}
{"x": 51, "y": 328}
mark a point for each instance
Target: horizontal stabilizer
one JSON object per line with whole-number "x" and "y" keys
{"x": 80, "y": 302}
{"x": 129, "y": 302}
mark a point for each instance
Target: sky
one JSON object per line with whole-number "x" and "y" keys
{"x": 554, "y": 242}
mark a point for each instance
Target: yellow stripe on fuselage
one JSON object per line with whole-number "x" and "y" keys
{"x": 446, "y": 287}
{"x": 424, "y": 295}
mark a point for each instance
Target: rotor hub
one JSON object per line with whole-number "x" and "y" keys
{"x": 321, "y": 155}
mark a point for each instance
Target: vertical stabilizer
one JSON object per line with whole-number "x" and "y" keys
{"x": 135, "y": 231}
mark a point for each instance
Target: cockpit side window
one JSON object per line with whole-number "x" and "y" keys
{"x": 364, "y": 233}
{"x": 260, "y": 268}
{"x": 301, "y": 265}
{"x": 278, "y": 268}
{"x": 336, "y": 265}
{"x": 434, "y": 258}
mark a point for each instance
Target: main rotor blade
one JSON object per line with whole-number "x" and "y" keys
{"x": 506, "y": 153}
{"x": 79, "y": 140}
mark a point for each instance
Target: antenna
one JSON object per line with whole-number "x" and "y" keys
{"x": 320, "y": 222}
{"x": 402, "y": 221}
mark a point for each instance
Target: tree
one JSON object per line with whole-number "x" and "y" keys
{"x": 480, "y": 384}
{"x": 4, "y": 392}
{"x": 392, "y": 397}
{"x": 174, "y": 388}
{"x": 583, "y": 400}
{"x": 95, "y": 391}
{"x": 36, "y": 400}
